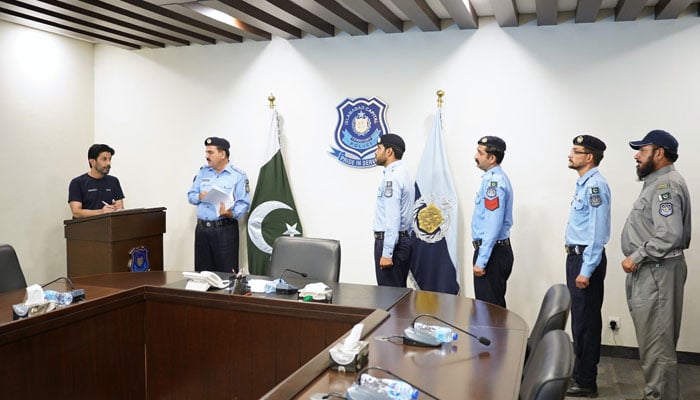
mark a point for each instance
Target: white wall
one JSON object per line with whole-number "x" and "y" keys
{"x": 537, "y": 87}
{"x": 46, "y": 126}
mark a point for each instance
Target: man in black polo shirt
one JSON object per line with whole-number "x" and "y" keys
{"x": 96, "y": 192}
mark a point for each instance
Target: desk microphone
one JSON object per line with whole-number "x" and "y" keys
{"x": 285, "y": 288}
{"x": 413, "y": 338}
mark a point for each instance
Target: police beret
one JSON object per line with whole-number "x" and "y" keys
{"x": 494, "y": 142}
{"x": 659, "y": 138}
{"x": 392, "y": 140}
{"x": 590, "y": 142}
{"x": 218, "y": 142}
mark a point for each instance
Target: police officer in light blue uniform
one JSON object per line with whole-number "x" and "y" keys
{"x": 491, "y": 223}
{"x": 393, "y": 213}
{"x": 216, "y": 234}
{"x": 587, "y": 233}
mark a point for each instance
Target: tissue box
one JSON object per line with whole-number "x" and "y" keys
{"x": 349, "y": 361}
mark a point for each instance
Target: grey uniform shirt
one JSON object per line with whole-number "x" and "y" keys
{"x": 659, "y": 222}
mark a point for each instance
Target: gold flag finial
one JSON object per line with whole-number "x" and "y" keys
{"x": 271, "y": 99}
{"x": 440, "y": 93}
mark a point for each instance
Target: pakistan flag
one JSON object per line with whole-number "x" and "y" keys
{"x": 273, "y": 212}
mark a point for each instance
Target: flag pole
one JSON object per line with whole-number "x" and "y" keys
{"x": 271, "y": 99}
{"x": 439, "y": 93}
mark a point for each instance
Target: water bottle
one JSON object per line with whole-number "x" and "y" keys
{"x": 270, "y": 287}
{"x": 441, "y": 333}
{"x": 61, "y": 298}
{"x": 391, "y": 388}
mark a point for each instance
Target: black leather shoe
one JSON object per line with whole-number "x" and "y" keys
{"x": 579, "y": 391}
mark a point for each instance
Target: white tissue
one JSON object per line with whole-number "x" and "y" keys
{"x": 353, "y": 340}
{"x": 319, "y": 287}
{"x": 258, "y": 285}
{"x": 35, "y": 295}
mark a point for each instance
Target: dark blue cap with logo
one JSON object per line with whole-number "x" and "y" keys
{"x": 590, "y": 142}
{"x": 658, "y": 137}
{"x": 494, "y": 142}
{"x": 393, "y": 140}
{"x": 218, "y": 142}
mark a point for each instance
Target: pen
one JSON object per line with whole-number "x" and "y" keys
{"x": 104, "y": 202}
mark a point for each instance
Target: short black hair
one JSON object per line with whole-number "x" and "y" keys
{"x": 95, "y": 150}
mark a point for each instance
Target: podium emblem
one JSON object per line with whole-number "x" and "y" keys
{"x": 360, "y": 123}
{"x": 138, "y": 259}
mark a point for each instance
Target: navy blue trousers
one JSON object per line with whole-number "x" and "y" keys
{"x": 586, "y": 319}
{"x": 396, "y": 275}
{"x": 492, "y": 286}
{"x": 216, "y": 248}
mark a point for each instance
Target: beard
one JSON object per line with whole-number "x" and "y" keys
{"x": 645, "y": 168}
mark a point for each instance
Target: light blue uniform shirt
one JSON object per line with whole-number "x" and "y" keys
{"x": 394, "y": 211}
{"x": 230, "y": 179}
{"x": 493, "y": 212}
{"x": 589, "y": 219}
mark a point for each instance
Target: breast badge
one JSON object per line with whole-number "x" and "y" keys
{"x": 388, "y": 189}
{"x": 665, "y": 209}
{"x": 594, "y": 199}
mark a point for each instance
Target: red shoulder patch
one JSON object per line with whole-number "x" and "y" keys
{"x": 491, "y": 204}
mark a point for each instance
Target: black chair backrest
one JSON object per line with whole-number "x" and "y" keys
{"x": 547, "y": 375}
{"x": 11, "y": 276}
{"x": 319, "y": 258}
{"x": 554, "y": 312}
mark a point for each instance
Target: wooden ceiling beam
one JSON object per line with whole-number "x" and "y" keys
{"x": 670, "y": 9}
{"x": 547, "y": 13}
{"x": 587, "y": 10}
{"x": 629, "y": 10}
{"x": 60, "y": 28}
{"x": 109, "y": 21}
{"x": 296, "y": 15}
{"x": 506, "y": 12}
{"x": 255, "y": 17}
{"x": 420, "y": 13}
{"x": 462, "y": 13}
{"x": 376, "y": 13}
{"x": 342, "y": 18}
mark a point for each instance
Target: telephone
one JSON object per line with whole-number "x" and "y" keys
{"x": 201, "y": 281}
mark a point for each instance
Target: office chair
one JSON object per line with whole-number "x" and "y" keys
{"x": 11, "y": 276}
{"x": 547, "y": 375}
{"x": 553, "y": 314}
{"x": 319, "y": 258}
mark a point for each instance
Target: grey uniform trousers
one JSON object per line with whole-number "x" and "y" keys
{"x": 655, "y": 300}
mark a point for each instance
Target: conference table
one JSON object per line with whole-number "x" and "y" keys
{"x": 143, "y": 336}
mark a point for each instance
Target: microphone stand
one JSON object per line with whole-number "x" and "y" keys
{"x": 481, "y": 339}
{"x": 386, "y": 371}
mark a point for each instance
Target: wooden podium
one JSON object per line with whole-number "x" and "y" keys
{"x": 102, "y": 244}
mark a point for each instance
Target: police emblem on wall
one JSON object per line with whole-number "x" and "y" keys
{"x": 360, "y": 123}
{"x": 138, "y": 259}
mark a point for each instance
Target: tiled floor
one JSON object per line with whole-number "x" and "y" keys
{"x": 620, "y": 378}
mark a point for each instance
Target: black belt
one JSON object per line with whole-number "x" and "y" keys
{"x": 504, "y": 242}
{"x": 380, "y": 235}
{"x": 215, "y": 223}
{"x": 576, "y": 249}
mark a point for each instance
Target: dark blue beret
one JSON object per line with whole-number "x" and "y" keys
{"x": 218, "y": 142}
{"x": 494, "y": 142}
{"x": 590, "y": 142}
{"x": 392, "y": 140}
